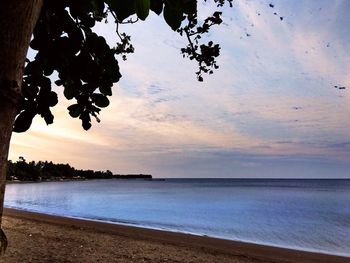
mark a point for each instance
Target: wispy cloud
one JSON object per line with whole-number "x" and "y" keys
{"x": 271, "y": 105}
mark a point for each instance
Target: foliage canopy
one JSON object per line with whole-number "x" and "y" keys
{"x": 86, "y": 66}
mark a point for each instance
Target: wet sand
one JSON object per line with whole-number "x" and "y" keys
{"x": 35, "y": 237}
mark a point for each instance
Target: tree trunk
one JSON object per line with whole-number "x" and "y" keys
{"x": 17, "y": 21}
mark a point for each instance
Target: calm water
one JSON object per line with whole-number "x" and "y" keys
{"x": 310, "y": 215}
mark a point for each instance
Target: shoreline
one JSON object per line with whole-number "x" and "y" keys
{"x": 235, "y": 249}
{"x": 59, "y": 180}
{"x": 13, "y": 212}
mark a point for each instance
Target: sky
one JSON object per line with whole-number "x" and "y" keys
{"x": 270, "y": 111}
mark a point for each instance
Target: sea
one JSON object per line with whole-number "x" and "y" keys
{"x": 310, "y": 215}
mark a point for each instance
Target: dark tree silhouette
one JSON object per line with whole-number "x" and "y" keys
{"x": 62, "y": 34}
{"x": 49, "y": 171}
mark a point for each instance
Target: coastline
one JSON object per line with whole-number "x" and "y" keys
{"x": 163, "y": 243}
{"x": 58, "y": 180}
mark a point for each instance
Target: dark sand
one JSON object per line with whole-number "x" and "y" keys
{"x": 36, "y": 237}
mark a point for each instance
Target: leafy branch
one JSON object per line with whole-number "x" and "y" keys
{"x": 86, "y": 66}
{"x": 204, "y": 54}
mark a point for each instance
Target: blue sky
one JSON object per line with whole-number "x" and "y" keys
{"x": 271, "y": 110}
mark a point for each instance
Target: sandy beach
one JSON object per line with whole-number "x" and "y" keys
{"x": 36, "y": 237}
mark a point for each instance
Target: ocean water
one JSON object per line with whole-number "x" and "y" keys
{"x": 311, "y": 215}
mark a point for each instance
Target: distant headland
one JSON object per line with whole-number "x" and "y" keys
{"x": 48, "y": 171}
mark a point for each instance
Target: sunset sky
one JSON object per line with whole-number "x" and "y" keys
{"x": 271, "y": 110}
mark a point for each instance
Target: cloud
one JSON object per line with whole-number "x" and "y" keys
{"x": 270, "y": 105}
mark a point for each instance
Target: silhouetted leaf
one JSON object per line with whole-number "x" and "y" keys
{"x": 23, "y": 121}
{"x": 48, "y": 117}
{"x": 122, "y": 8}
{"x": 100, "y": 100}
{"x": 98, "y": 6}
{"x": 52, "y": 99}
{"x": 156, "y": 6}
{"x": 190, "y": 8}
{"x": 75, "y": 110}
{"x": 173, "y": 14}
{"x": 142, "y": 8}
{"x": 69, "y": 92}
{"x": 59, "y": 82}
{"x": 106, "y": 90}
{"x": 86, "y": 120}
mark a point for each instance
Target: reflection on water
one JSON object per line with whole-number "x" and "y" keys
{"x": 304, "y": 214}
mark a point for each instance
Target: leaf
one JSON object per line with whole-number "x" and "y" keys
{"x": 173, "y": 14}
{"x": 106, "y": 90}
{"x": 97, "y": 6}
{"x": 23, "y": 121}
{"x": 86, "y": 120}
{"x": 52, "y": 99}
{"x": 190, "y": 7}
{"x": 59, "y": 82}
{"x": 97, "y": 44}
{"x": 68, "y": 92}
{"x": 44, "y": 82}
{"x": 48, "y": 117}
{"x": 100, "y": 100}
{"x": 33, "y": 68}
{"x": 75, "y": 110}
{"x": 156, "y": 6}
{"x": 142, "y": 8}
{"x": 35, "y": 44}
{"x": 122, "y": 8}
{"x": 29, "y": 91}
{"x": 48, "y": 71}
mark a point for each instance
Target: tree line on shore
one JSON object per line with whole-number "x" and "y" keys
{"x": 49, "y": 171}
